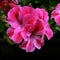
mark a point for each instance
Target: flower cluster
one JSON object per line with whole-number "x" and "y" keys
{"x": 6, "y": 5}
{"x": 28, "y": 27}
{"x": 56, "y": 14}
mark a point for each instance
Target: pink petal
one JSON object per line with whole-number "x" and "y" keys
{"x": 48, "y": 31}
{"x": 42, "y": 40}
{"x": 37, "y": 43}
{"x": 13, "y": 16}
{"x": 29, "y": 19}
{"x": 58, "y": 6}
{"x": 49, "y": 34}
{"x": 14, "y": 24}
{"x": 39, "y": 13}
{"x": 57, "y": 19}
{"x": 12, "y": 5}
{"x": 10, "y": 31}
{"x": 45, "y": 14}
{"x": 54, "y": 14}
{"x": 39, "y": 25}
{"x": 30, "y": 47}
{"x": 26, "y": 31}
{"x": 26, "y": 10}
{"x": 39, "y": 28}
{"x": 23, "y": 45}
{"x": 14, "y": 34}
{"x": 17, "y": 38}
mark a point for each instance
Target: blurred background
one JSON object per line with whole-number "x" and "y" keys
{"x": 10, "y": 50}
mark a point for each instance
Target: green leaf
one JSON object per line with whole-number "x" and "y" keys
{"x": 8, "y": 40}
{"x": 58, "y": 28}
{"x": 2, "y": 26}
{"x": 51, "y": 21}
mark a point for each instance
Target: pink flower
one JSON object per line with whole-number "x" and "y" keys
{"x": 30, "y": 26}
{"x": 34, "y": 38}
{"x": 56, "y": 14}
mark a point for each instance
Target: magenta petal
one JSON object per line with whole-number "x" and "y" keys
{"x": 23, "y": 45}
{"x": 14, "y": 24}
{"x": 39, "y": 13}
{"x": 12, "y": 17}
{"x": 54, "y": 14}
{"x": 17, "y": 38}
{"x": 57, "y": 19}
{"x": 10, "y": 31}
{"x": 24, "y": 34}
{"x": 58, "y": 6}
{"x": 14, "y": 35}
{"x": 12, "y": 14}
{"x": 30, "y": 47}
{"x": 12, "y": 4}
{"x": 45, "y": 15}
{"x": 29, "y": 19}
{"x": 46, "y": 18}
{"x": 26, "y": 10}
{"x": 39, "y": 25}
{"x": 26, "y": 31}
{"x": 49, "y": 33}
{"x": 37, "y": 43}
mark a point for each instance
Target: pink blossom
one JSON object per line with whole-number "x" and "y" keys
{"x": 28, "y": 18}
{"x": 30, "y": 26}
{"x": 56, "y": 14}
{"x": 36, "y": 35}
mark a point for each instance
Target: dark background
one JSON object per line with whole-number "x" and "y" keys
{"x": 51, "y": 49}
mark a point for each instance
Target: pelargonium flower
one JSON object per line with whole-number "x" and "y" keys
{"x": 34, "y": 38}
{"x": 7, "y": 3}
{"x": 29, "y": 26}
{"x": 56, "y": 14}
{"x": 29, "y": 17}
